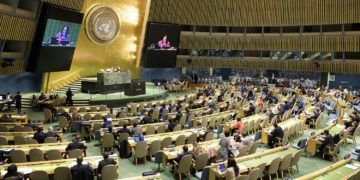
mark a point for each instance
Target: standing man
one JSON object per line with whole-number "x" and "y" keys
{"x": 69, "y": 95}
{"x": 18, "y": 102}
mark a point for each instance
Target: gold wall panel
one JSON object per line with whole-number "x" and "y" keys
{"x": 16, "y": 28}
{"x": 71, "y": 4}
{"x": 326, "y": 43}
{"x": 19, "y": 66}
{"x": 89, "y": 57}
{"x": 255, "y": 12}
{"x": 337, "y": 66}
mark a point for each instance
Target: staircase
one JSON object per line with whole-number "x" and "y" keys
{"x": 76, "y": 89}
{"x": 80, "y": 100}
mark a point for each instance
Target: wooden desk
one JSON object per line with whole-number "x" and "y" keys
{"x": 49, "y": 166}
{"x": 171, "y": 153}
{"x": 150, "y": 138}
{"x": 153, "y": 177}
{"x": 313, "y": 142}
{"x": 67, "y": 109}
{"x": 44, "y": 147}
{"x": 224, "y": 115}
{"x": 10, "y": 135}
{"x": 285, "y": 124}
{"x": 253, "y": 118}
{"x": 245, "y": 163}
{"x": 143, "y": 127}
{"x": 17, "y": 119}
{"x": 336, "y": 171}
{"x": 45, "y": 102}
{"x": 92, "y": 114}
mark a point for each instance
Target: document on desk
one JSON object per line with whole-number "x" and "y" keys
{"x": 350, "y": 166}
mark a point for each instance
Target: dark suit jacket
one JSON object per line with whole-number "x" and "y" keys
{"x": 181, "y": 155}
{"x": 171, "y": 126}
{"x": 278, "y": 132}
{"x": 328, "y": 141}
{"x": 146, "y": 120}
{"x": 104, "y": 163}
{"x": 75, "y": 145}
{"x": 52, "y": 134}
{"x": 122, "y": 130}
{"x": 39, "y": 137}
{"x": 82, "y": 172}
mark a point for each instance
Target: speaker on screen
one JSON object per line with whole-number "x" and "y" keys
{"x": 161, "y": 45}
{"x": 55, "y": 39}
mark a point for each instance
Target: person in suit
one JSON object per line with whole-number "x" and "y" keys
{"x": 69, "y": 95}
{"x": 184, "y": 153}
{"x": 146, "y": 119}
{"x": 39, "y": 135}
{"x": 136, "y": 131}
{"x": 12, "y": 173}
{"x": 42, "y": 97}
{"x": 106, "y": 123}
{"x": 327, "y": 140}
{"x": 52, "y": 133}
{"x": 106, "y": 161}
{"x": 110, "y": 129}
{"x": 251, "y": 110}
{"x": 76, "y": 144}
{"x": 81, "y": 171}
{"x": 17, "y": 99}
{"x": 163, "y": 107}
{"x": 124, "y": 129}
{"x": 276, "y": 133}
{"x": 171, "y": 125}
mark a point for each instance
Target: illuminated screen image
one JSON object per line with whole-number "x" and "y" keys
{"x": 161, "y": 45}
{"x": 61, "y": 33}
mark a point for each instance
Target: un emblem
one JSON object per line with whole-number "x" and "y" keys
{"x": 102, "y": 24}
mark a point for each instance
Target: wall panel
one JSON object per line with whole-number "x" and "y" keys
{"x": 255, "y": 12}
{"x": 337, "y": 66}
{"x": 71, "y": 4}
{"x": 327, "y": 43}
{"x": 16, "y": 28}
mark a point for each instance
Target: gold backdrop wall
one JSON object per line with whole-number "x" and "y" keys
{"x": 89, "y": 57}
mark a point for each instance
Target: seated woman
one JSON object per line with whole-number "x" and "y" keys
{"x": 352, "y": 128}
{"x": 313, "y": 118}
{"x": 197, "y": 150}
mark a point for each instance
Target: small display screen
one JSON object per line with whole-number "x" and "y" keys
{"x": 61, "y": 33}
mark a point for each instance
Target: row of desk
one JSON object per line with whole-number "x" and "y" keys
{"x": 248, "y": 162}
{"x": 9, "y": 136}
{"x": 341, "y": 170}
{"x": 50, "y": 166}
{"x": 313, "y": 141}
{"x": 290, "y": 123}
{"x": 43, "y": 147}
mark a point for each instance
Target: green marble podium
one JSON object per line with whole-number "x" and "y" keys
{"x": 114, "y": 78}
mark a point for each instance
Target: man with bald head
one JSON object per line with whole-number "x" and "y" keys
{"x": 81, "y": 171}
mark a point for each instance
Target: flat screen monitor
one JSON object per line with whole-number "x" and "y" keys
{"x": 55, "y": 40}
{"x": 162, "y": 42}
